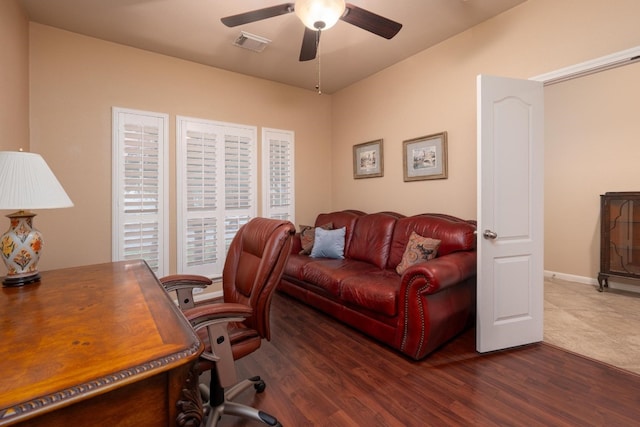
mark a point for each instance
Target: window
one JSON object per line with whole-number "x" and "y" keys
{"x": 216, "y": 166}
{"x": 278, "y": 174}
{"x": 140, "y": 202}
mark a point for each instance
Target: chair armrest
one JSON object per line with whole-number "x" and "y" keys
{"x": 223, "y": 310}
{"x": 179, "y": 281}
{"x": 183, "y": 285}
{"x": 215, "y": 319}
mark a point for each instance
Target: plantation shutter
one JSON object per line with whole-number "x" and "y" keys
{"x": 216, "y": 165}
{"x": 139, "y": 187}
{"x": 278, "y": 174}
{"x": 199, "y": 182}
{"x": 240, "y": 174}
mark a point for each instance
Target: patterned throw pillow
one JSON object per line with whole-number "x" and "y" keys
{"x": 418, "y": 249}
{"x": 307, "y": 236}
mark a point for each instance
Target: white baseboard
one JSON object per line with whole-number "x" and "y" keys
{"x": 203, "y": 296}
{"x": 614, "y": 283}
{"x": 212, "y": 291}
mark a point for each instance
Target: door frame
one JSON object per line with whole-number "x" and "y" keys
{"x": 583, "y": 69}
{"x": 603, "y": 63}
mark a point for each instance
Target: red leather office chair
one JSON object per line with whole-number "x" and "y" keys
{"x": 234, "y": 327}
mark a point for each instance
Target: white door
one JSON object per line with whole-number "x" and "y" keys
{"x": 510, "y": 213}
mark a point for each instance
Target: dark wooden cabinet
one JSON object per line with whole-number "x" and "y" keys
{"x": 619, "y": 236}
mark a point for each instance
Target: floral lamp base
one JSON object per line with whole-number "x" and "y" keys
{"x": 20, "y": 247}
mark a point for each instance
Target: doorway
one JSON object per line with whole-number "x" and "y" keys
{"x": 591, "y": 147}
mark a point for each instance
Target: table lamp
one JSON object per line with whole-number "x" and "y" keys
{"x": 26, "y": 182}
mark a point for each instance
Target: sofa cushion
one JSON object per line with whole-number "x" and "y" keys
{"x": 328, "y": 274}
{"x": 307, "y": 236}
{"x": 377, "y": 291}
{"x": 328, "y": 243}
{"x": 346, "y": 218}
{"x": 454, "y": 234}
{"x": 418, "y": 249}
{"x": 295, "y": 266}
{"x": 371, "y": 238}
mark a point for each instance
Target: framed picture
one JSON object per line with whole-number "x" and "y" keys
{"x": 368, "y": 160}
{"x": 425, "y": 157}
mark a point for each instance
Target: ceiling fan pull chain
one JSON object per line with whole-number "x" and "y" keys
{"x": 318, "y": 88}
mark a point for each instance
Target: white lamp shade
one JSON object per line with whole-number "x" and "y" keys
{"x": 327, "y": 12}
{"x": 26, "y": 182}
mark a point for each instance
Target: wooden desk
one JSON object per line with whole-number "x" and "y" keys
{"x": 96, "y": 345}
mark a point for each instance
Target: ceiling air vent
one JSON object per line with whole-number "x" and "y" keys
{"x": 251, "y": 41}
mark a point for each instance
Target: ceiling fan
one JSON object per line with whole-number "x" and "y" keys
{"x": 319, "y": 15}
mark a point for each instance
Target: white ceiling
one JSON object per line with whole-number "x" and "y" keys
{"x": 191, "y": 30}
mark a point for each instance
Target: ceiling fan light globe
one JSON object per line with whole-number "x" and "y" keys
{"x": 319, "y": 14}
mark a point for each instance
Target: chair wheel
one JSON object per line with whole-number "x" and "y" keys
{"x": 260, "y": 386}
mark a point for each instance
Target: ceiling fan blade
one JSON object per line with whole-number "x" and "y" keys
{"x": 257, "y": 15}
{"x": 369, "y": 21}
{"x": 310, "y": 42}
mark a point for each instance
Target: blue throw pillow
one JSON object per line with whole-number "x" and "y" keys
{"x": 328, "y": 243}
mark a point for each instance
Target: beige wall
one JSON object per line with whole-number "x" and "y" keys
{"x": 75, "y": 80}
{"x": 435, "y": 91}
{"x": 591, "y": 147}
{"x": 14, "y": 78}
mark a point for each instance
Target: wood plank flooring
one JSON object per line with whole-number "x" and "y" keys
{"x": 320, "y": 372}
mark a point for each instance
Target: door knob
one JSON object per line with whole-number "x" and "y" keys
{"x": 488, "y": 234}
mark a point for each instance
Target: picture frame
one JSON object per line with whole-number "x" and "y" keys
{"x": 368, "y": 160}
{"x": 425, "y": 157}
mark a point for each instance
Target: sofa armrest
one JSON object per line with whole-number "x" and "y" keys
{"x": 442, "y": 272}
{"x": 436, "y": 300}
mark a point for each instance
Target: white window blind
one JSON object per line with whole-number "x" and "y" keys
{"x": 216, "y": 173}
{"x": 139, "y": 187}
{"x": 278, "y": 188}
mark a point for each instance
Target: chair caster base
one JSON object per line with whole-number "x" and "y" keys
{"x": 268, "y": 419}
{"x": 258, "y": 384}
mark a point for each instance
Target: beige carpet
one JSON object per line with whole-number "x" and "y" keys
{"x": 602, "y": 325}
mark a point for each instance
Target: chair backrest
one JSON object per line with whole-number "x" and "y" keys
{"x": 254, "y": 265}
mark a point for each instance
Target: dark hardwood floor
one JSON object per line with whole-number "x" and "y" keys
{"x": 320, "y": 372}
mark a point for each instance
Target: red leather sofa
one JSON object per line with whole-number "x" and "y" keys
{"x": 414, "y": 312}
